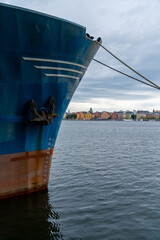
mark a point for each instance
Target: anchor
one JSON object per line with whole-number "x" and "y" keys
{"x": 43, "y": 116}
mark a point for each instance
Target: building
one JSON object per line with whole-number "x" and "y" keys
{"x": 153, "y": 116}
{"x": 96, "y": 115}
{"x": 88, "y": 115}
{"x": 105, "y": 115}
{"x": 141, "y": 114}
{"x": 120, "y": 115}
{"x": 81, "y": 115}
{"x": 114, "y": 116}
{"x": 128, "y": 114}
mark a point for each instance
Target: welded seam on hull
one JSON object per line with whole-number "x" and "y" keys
{"x": 52, "y": 60}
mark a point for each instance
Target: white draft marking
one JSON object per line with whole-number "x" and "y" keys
{"x": 57, "y": 68}
{"x": 60, "y": 75}
{"x": 52, "y": 60}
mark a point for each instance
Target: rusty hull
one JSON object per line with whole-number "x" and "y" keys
{"x": 26, "y": 172}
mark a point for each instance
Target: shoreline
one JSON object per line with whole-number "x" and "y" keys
{"x": 110, "y": 120}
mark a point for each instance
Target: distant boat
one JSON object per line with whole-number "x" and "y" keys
{"x": 42, "y": 60}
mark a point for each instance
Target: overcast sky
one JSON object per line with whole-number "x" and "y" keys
{"x": 131, "y": 30}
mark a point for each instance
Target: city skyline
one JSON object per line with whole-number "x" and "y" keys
{"x": 119, "y": 115}
{"x": 121, "y": 110}
{"x": 113, "y": 110}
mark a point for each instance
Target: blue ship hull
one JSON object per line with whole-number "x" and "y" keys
{"x": 40, "y": 56}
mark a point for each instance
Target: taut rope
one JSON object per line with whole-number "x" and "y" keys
{"x": 152, "y": 84}
{"x": 127, "y": 75}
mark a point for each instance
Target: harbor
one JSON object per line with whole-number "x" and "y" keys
{"x": 79, "y": 120}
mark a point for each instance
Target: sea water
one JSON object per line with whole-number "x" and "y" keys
{"x": 104, "y": 185}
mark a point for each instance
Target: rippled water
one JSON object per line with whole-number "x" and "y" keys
{"x": 104, "y": 184}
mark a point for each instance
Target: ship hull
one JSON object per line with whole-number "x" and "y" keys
{"x": 23, "y": 173}
{"x": 40, "y": 57}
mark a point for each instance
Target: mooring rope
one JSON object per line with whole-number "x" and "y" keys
{"x": 156, "y": 86}
{"x": 127, "y": 75}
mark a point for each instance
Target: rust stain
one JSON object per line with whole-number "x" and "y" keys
{"x": 28, "y": 155}
{"x": 26, "y": 172}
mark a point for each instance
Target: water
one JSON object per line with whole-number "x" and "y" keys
{"x": 104, "y": 184}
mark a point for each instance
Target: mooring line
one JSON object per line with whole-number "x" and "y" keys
{"x": 127, "y": 75}
{"x": 128, "y": 66}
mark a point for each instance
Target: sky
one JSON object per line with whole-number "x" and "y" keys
{"x": 131, "y": 30}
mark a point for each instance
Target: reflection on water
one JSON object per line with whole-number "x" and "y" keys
{"x": 29, "y": 217}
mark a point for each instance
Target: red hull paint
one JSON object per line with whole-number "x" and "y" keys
{"x": 23, "y": 173}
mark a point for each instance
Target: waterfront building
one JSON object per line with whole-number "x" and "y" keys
{"x": 88, "y": 115}
{"x": 141, "y": 114}
{"x": 81, "y": 115}
{"x": 154, "y": 115}
{"x": 96, "y": 115}
{"x": 105, "y": 115}
{"x": 114, "y": 116}
{"x": 128, "y": 114}
{"x": 120, "y": 115}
